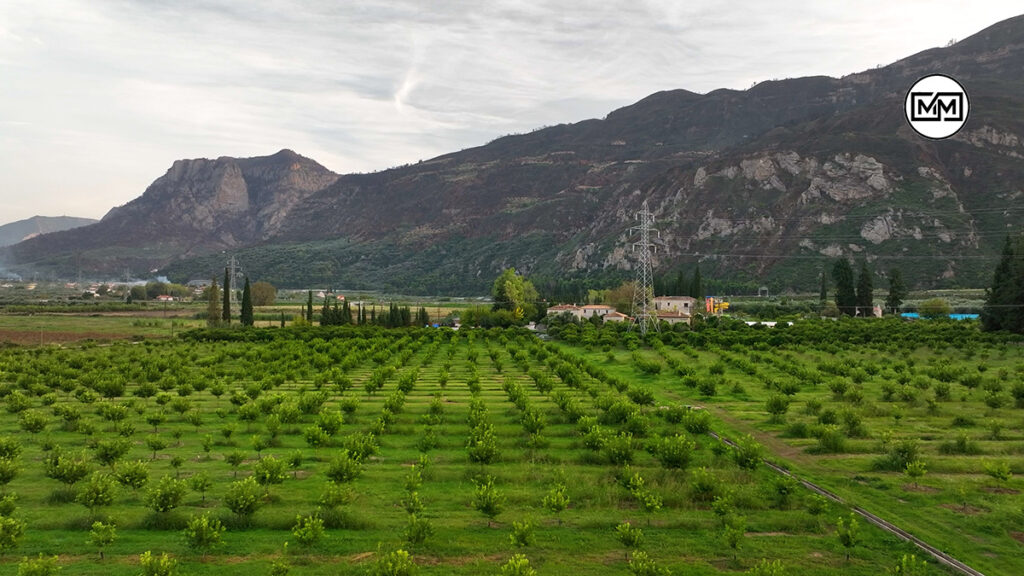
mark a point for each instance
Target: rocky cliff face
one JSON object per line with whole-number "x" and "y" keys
{"x": 197, "y": 207}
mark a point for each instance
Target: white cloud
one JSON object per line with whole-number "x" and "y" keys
{"x": 99, "y": 97}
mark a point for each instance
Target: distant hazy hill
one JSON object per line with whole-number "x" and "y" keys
{"x": 31, "y": 227}
{"x": 766, "y": 186}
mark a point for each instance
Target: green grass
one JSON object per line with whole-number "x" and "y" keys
{"x": 955, "y": 506}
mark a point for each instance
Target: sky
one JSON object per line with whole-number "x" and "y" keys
{"x": 99, "y": 97}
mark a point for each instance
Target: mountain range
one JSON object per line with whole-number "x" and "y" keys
{"x": 15, "y": 232}
{"x": 761, "y": 186}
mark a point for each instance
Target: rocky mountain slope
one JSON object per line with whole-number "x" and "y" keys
{"x": 198, "y": 207}
{"x": 15, "y": 232}
{"x": 764, "y": 186}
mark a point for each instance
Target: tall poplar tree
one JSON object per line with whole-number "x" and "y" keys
{"x": 865, "y": 291}
{"x": 213, "y": 313}
{"x": 823, "y": 292}
{"x": 246, "y": 316}
{"x": 309, "y": 307}
{"x": 846, "y": 296}
{"x": 226, "y": 308}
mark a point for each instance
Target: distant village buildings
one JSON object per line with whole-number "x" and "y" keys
{"x": 671, "y": 309}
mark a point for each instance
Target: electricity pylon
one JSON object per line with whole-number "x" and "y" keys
{"x": 643, "y": 287}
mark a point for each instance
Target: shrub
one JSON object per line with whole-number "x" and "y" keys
{"x": 642, "y": 565}
{"x": 899, "y": 454}
{"x": 162, "y": 565}
{"x": 166, "y": 495}
{"x": 747, "y": 453}
{"x": 397, "y": 563}
{"x": 674, "y": 452}
{"x": 629, "y": 536}
{"x": 244, "y": 497}
{"x": 98, "y": 492}
{"x": 517, "y": 565}
{"x": 344, "y": 468}
{"x": 203, "y": 533}
{"x": 487, "y": 500}
{"x": 102, "y": 535}
{"x": 11, "y": 531}
{"x": 777, "y": 405}
{"x": 619, "y": 449}
{"x": 39, "y": 566}
{"x": 831, "y": 440}
{"x": 308, "y": 530}
{"x": 522, "y": 534}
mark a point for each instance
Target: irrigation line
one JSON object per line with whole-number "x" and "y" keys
{"x": 940, "y": 556}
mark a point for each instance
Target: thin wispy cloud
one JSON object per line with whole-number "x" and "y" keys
{"x": 99, "y": 97}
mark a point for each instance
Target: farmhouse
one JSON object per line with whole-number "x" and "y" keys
{"x": 563, "y": 308}
{"x": 615, "y": 317}
{"x": 674, "y": 309}
{"x": 599, "y": 310}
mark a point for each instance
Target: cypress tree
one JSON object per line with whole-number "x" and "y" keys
{"x": 865, "y": 291}
{"x": 697, "y": 284}
{"x": 680, "y": 287}
{"x": 846, "y": 296}
{"x": 325, "y": 314}
{"x": 213, "y": 313}
{"x": 897, "y": 291}
{"x": 309, "y": 307}
{"x": 373, "y": 315}
{"x": 226, "y": 308}
{"x": 1004, "y": 303}
{"x": 246, "y": 316}
{"x": 823, "y": 292}
{"x": 346, "y": 313}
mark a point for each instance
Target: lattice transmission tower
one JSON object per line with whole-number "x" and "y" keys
{"x": 643, "y": 287}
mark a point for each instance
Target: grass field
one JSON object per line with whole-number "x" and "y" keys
{"x": 334, "y": 424}
{"x": 851, "y": 416}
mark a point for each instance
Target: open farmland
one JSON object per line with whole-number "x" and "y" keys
{"x": 352, "y": 443}
{"x": 922, "y": 424}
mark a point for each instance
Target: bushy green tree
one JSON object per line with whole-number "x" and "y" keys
{"x": 244, "y": 497}
{"x": 512, "y": 292}
{"x": 101, "y": 535}
{"x": 166, "y": 495}
{"x": 203, "y": 533}
{"x": 934, "y": 308}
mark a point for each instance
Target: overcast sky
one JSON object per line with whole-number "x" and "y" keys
{"x": 99, "y": 97}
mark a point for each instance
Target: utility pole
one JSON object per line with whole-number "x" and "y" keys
{"x": 643, "y": 286}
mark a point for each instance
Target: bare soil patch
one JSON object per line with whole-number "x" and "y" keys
{"x": 1018, "y": 536}
{"x": 28, "y": 337}
{"x": 999, "y": 490}
{"x": 968, "y": 510}
{"x": 921, "y": 489}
